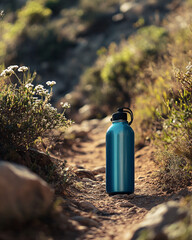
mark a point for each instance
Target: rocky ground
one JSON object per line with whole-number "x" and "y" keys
{"x": 82, "y": 209}
{"x": 104, "y": 216}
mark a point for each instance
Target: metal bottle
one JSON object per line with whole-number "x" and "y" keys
{"x": 120, "y": 154}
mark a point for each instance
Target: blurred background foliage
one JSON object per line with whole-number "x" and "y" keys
{"x": 104, "y": 56}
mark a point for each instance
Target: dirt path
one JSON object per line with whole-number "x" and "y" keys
{"x": 113, "y": 215}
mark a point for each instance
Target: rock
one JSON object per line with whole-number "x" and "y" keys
{"x": 140, "y": 178}
{"x": 84, "y": 173}
{"x": 101, "y": 143}
{"x": 86, "y": 221}
{"x": 99, "y": 177}
{"x": 87, "y": 180}
{"x": 75, "y": 224}
{"x": 126, "y": 6}
{"x": 126, "y": 205}
{"x": 83, "y": 129}
{"x": 118, "y": 17}
{"x": 23, "y": 195}
{"x": 158, "y": 219}
{"x": 98, "y": 170}
{"x": 87, "y": 206}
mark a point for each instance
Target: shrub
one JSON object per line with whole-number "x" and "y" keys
{"x": 34, "y": 12}
{"x": 12, "y": 34}
{"x": 176, "y": 137}
{"x": 116, "y": 72}
{"x": 25, "y": 110}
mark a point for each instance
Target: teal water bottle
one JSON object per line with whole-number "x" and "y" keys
{"x": 120, "y": 154}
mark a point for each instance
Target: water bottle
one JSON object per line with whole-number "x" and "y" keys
{"x": 120, "y": 154}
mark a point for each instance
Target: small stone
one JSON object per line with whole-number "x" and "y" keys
{"x": 84, "y": 173}
{"x": 118, "y": 17}
{"x": 87, "y": 180}
{"x": 86, "y": 221}
{"x": 79, "y": 167}
{"x": 125, "y": 7}
{"x": 98, "y": 170}
{"x": 101, "y": 143}
{"x": 77, "y": 225}
{"x": 87, "y": 206}
{"x": 126, "y": 204}
{"x": 99, "y": 177}
{"x": 140, "y": 178}
{"x": 132, "y": 211}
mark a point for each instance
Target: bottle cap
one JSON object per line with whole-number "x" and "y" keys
{"x": 121, "y": 114}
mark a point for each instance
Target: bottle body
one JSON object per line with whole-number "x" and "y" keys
{"x": 120, "y": 158}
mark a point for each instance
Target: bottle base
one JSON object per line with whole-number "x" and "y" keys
{"x": 115, "y": 193}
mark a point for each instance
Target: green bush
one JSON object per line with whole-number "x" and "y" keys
{"x": 13, "y": 34}
{"x": 116, "y": 72}
{"x": 25, "y": 111}
{"x": 176, "y": 137}
{"x": 34, "y": 12}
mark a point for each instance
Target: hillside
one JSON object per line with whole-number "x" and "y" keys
{"x": 62, "y": 35}
{"x": 104, "y": 55}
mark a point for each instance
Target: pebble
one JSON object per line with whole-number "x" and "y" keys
{"x": 84, "y": 173}
{"x": 77, "y": 226}
{"x": 101, "y": 143}
{"x": 98, "y": 170}
{"x": 132, "y": 211}
{"x": 126, "y": 204}
{"x": 99, "y": 177}
{"x": 79, "y": 167}
{"x": 87, "y": 180}
{"x": 86, "y": 221}
{"x": 140, "y": 178}
{"x": 87, "y": 206}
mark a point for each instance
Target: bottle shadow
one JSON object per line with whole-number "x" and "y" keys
{"x": 147, "y": 201}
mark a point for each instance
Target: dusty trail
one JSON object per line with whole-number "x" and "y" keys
{"x": 114, "y": 215}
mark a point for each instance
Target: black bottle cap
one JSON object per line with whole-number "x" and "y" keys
{"x": 121, "y": 114}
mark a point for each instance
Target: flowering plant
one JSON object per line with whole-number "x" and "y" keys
{"x": 25, "y": 110}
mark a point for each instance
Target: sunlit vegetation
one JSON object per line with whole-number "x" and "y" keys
{"x": 147, "y": 72}
{"x": 25, "y": 110}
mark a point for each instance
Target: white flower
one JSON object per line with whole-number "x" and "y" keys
{"x": 2, "y": 13}
{"x": 48, "y": 105}
{"x": 7, "y": 72}
{"x": 29, "y": 85}
{"x": 39, "y": 87}
{"x": 43, "y": 92}
{"x": 23, "y": 69}
{"x": 51, "y": 83}
{"x": 65, "y": 105}
{"x": 13, "y": 67}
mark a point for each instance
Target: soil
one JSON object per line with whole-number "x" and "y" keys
{"x": 113, "y": 216}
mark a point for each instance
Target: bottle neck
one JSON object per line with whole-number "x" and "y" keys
{"x": 120, "y": 120}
